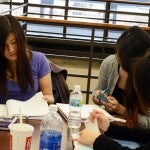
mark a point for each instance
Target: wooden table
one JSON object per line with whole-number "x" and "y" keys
{"x": 66, "y": 143}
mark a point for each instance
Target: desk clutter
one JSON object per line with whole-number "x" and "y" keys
{"x": 6, "y": 121}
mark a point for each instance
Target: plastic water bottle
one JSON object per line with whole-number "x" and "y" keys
{"x": 75, "y": 106}
{"x": 51, "y": 130}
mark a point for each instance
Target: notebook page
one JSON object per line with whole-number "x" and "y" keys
{"x": 3, "y": 110}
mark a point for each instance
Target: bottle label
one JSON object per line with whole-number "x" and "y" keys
{"x": 75, "y": 102}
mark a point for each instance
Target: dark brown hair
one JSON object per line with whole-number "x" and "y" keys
{"x": 138, "y": 87}
{"x": 132, "y": 43}
{"x": 9, "y": 24}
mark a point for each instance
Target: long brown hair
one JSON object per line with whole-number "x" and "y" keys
{"x": 9, "y": 24}
{"x": 138, "y": 87}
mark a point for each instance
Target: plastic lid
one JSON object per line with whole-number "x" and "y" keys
{"x": 21, "y": 127}
{"x": 77, "y": 87}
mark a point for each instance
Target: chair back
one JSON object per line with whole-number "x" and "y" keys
{"x": 60, "y": 88}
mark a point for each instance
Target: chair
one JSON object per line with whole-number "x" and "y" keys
{"x": 60, "y": 88}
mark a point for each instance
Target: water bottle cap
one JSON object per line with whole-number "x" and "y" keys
{"x": 53, "y": 107}
{"x": 77, "y": 87}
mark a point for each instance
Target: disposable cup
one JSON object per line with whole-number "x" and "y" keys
{"x": 20, "y": 136}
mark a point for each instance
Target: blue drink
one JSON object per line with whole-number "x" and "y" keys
{"x": 50, "y": 140}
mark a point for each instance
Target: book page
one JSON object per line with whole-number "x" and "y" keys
{"x": 86, "y": 110}
{"x": 35, "y": 106}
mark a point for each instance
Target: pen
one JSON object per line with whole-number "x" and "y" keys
{"x": 105, "y": 91}
{"x": 101, "y": 95}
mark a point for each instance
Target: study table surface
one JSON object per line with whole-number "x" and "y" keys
{"x": 66, "y": 143}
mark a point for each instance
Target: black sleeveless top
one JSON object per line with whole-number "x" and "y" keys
{"x": 119, "y": 94}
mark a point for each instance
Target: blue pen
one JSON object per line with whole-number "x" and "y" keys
{"x": 101, "y": 96}
{"x": 105, "y": 91}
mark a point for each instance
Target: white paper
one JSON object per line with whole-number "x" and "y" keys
{"x": 92, "y": 125}
{"x": 35, "y": 106}
{"x": 3, "y": 110}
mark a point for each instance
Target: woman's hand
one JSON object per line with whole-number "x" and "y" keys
{"x": 102, "y": 120}
{"x": 49, "y": 98}
{"x": 87, "y": 136}
{"x": 114, "y": 106}
{"x": 95, "y": 99}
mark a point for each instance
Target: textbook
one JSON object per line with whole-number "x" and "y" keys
{"x": 36, "y": 106}
{"x": 86, "y": 110}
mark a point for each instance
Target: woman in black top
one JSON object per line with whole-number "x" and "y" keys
{"x": 141, "y": 83}
{"x": 107, "y": 143}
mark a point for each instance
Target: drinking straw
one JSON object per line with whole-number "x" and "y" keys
{"x": 20, "y": 114}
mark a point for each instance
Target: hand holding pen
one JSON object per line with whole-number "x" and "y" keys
{"x": 111, "y": 103}
{"x": 101, "y": 96}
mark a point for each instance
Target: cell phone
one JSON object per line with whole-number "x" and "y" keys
{"x": 101, "y": 97}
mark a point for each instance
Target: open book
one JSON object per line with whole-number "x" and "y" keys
{"x": 35, "y": 106}
{"x": 86, "y": 110}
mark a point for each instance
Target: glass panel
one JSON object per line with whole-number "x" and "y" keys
{"x": 51, "y": 2}
{"x": 44, "y": 30}
{"x": 113, "y": 35}
{"x": 18, "y": 11}
{"x": 21, "y": 1}
{"x": 79, "y": 33}
{"x": 94, "y": 13}
{"x": 129, "y": 7}
{"x": 126, "y": 20}
{"x": 3, "y": 8}
{"x": 99, "y": 35}
{"x": 46, "y": 13}
{"x": 129, "y": 19}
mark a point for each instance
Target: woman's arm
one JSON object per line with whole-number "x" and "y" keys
{"x": 132, "y": 134}
{"x": 102, "y": 81}
{"x": 46, "y": 88}
{"x": 105, "y": 143}
{"x": 107, "y": 78}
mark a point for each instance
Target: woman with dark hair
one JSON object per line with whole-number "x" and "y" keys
{"x": 139, "y": 74}
{"x": 22, "y": 72}
{"x": 113, "y": 74}
{"x": 103, "y": 140}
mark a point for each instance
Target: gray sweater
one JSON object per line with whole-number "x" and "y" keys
{"x": 108, "y": 74}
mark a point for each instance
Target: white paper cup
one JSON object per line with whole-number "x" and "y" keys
{"x": 20, "y": 136}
